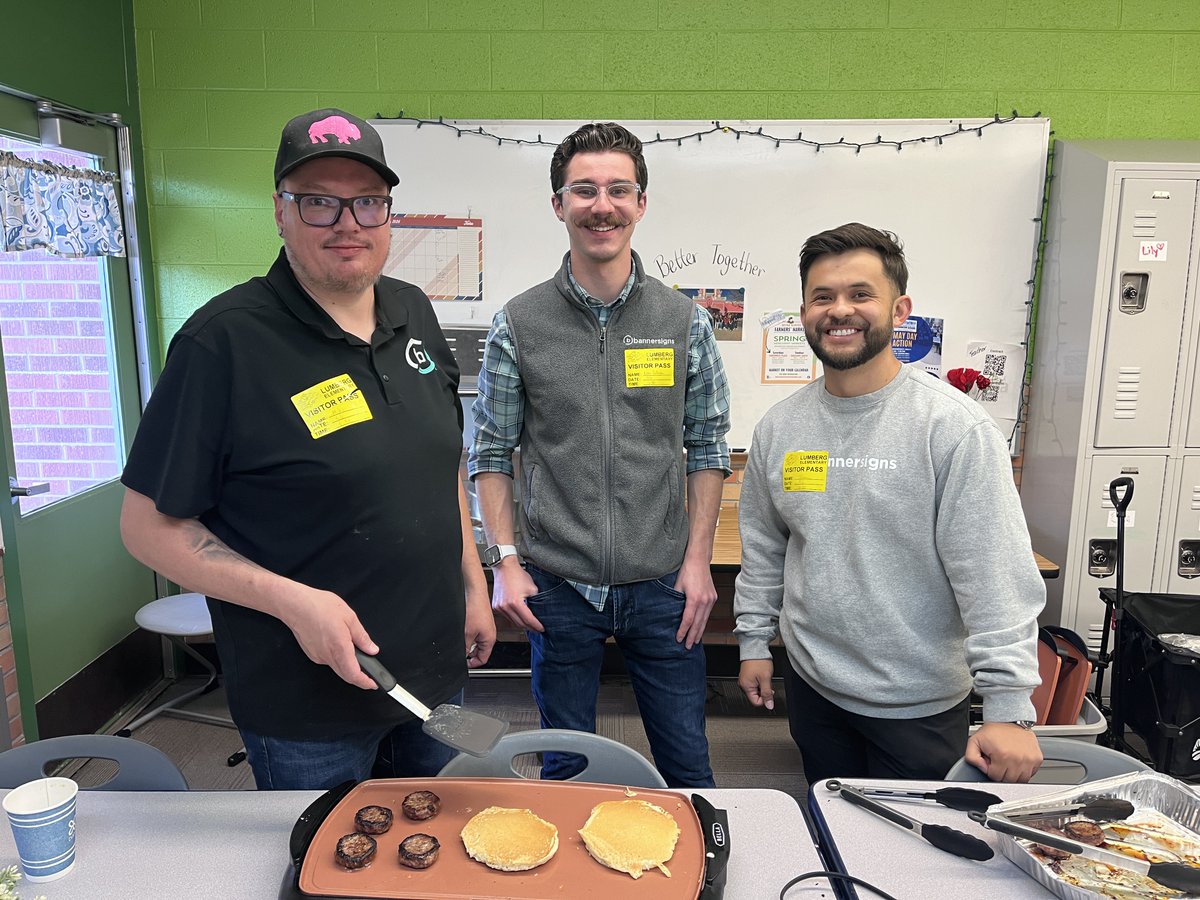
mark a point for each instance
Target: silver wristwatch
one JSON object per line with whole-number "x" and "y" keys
{"x": 1024, "y": 723}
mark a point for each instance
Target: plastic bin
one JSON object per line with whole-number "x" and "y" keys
{"x": 1091, "y": 723}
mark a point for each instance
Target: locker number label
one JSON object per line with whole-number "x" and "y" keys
{"x": 1130, "y": 517}
{"x": 1152, "y": 251}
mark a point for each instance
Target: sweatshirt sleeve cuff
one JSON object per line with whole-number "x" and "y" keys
{"x": 1008, "y": 706}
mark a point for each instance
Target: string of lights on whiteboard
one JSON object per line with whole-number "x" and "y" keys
{"x": 718, "y": 129}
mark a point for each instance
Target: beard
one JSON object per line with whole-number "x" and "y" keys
{"x": 875, "y": 341}
{"x": 327, "y": 282}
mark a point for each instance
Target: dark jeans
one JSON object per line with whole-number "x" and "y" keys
{"x": 400, "y": 751}
{"x": 836, "y": 743}
{"x": 669, "y": 681}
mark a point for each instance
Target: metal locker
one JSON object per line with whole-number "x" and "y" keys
{"x": 1096, "y": 549}
{"x": 1114, "y": 384}
{"x": 1181, "y": 547}
{"x": 1143, "y": 338}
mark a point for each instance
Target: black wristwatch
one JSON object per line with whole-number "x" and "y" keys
{"x": 493, "y": 555}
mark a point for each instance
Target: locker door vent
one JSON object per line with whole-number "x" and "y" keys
{"x": 1145, "y": 222}
{"x": 1094, "y": 633}
{"x": 1129, "y": 383}
{"x": 1196, "y": 496}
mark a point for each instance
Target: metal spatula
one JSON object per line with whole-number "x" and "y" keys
{"x": 454, "y": 726}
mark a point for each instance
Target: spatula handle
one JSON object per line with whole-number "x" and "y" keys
{"x": 377, "y": 670}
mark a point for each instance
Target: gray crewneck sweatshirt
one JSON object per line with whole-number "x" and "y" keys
{"x": 898, "y": 570}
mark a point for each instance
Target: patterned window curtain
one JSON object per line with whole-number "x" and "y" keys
{"x": 63, "y": 210}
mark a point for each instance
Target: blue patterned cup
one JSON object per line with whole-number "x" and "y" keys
{"x": 42, "y": 816}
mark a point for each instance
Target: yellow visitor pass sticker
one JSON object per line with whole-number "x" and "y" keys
{"x": 650, "y": 367}
{"x": 331, "y": 406}
{"x": 805, "y": 470}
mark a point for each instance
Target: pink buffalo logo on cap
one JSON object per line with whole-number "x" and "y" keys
{"x": 333, "y": 126}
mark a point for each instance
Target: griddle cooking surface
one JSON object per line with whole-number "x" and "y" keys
{"x": 571, "y": 874}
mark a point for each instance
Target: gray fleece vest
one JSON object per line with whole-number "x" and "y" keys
{"x": 602, "y": 458}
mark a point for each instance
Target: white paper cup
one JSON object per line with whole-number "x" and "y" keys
{"x": 42, "y": 816}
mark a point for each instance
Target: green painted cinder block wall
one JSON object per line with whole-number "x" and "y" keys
{"x": 217, "y": 79}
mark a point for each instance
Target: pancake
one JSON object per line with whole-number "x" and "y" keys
{"x": 630, "y": 836}
{"x": 511, "y": 840}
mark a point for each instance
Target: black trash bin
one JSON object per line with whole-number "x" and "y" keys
{"x": 1156, "y": 689}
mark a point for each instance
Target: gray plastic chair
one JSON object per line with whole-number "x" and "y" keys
{"x": 608, "y": 761}
{"x": 142, "y": 767}
{"x": 1067, "y": 761}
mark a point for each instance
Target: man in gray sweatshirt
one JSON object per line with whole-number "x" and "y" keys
{"x": 883, "y": 539}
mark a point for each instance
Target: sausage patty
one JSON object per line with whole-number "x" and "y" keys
{"x": 421, "y": 805}
{"x": 419, "y": 851}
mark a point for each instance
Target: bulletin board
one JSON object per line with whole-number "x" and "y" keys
{"x": 728, "y": 208}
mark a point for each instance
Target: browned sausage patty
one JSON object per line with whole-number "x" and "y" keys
{"x": 421, "y": 805}
{"x": 419, "y": 851}
{"x": 355, "y": 850}
{"x": 373, "y": 819}
{"x": 1084, "y": 832}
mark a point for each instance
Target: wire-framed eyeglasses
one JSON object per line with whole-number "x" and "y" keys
{"x": 323, "y": 210}
{"x": 587, "y": 192}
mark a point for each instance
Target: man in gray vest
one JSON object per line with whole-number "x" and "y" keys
{"x": 603, "y": 375}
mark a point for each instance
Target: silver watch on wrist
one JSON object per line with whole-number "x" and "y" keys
{"x": 1027, "y": 724}
{"x": 496, "y": 553}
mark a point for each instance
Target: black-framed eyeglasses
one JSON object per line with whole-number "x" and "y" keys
{"x": 586, "y": 192}
{"x": 323, "y": 210}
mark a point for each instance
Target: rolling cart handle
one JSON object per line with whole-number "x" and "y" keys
{"x": 1121, "y": 502}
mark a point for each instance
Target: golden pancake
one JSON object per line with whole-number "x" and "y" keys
{"x": 511, "y": 840}
{"x": 630, "y": 836}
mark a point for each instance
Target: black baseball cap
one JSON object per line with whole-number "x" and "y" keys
{"x": 331, "y": 132}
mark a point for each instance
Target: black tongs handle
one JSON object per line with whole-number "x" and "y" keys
{"x": 958, "y": 843}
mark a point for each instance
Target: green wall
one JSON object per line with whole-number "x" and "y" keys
{"x": 79, "y": 53}
{"x": 219, "y": 78}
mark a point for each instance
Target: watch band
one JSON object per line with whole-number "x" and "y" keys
{"x": 496, "y": 554}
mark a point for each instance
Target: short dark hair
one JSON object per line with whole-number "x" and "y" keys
{"x": 597, "y": 137}
{"x": 855, "y": 236}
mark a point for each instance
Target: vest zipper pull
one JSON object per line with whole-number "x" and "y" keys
{"x": 602, "y": 332}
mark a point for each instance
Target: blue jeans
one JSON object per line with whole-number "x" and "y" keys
{"x": 669, "y": 681}
{"x": 400, "y": 751}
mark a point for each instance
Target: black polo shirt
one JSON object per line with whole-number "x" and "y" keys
{"x": 327, "y": 460}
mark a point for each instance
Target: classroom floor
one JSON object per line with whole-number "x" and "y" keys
{"x": 748, "y": 747}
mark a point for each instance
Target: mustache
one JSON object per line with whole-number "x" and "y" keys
{"x": 594, "y": 221}
{"x": 845, "y": 323}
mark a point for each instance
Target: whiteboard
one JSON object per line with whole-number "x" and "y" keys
{"x": 724, "y": 212}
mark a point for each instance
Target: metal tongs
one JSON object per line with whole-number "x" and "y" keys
{"x": 963, "y": 799}
{"x": 950, "y": 840}
{"x": 1098, "y": 809}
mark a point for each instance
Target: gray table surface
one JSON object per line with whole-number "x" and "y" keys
{"x": 905, "y": 866}
{"x": 234, "y": 844}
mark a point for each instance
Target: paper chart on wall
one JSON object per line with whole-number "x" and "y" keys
{"x": 442, "y": 255}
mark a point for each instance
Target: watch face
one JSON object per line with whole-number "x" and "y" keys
{"x": 491, "y": 555}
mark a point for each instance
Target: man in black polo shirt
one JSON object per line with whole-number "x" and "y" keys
{"x": 298, "y": 464}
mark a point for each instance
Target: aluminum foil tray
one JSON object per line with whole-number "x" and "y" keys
{"x": 1145, "y": 790}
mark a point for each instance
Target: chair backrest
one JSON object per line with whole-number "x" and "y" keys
{"x": 608, "y": 761}
{"x": 142, "y": 767}
{"x": 1067, "y": 761}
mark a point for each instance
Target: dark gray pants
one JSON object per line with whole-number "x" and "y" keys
{"x": 839, "y": 744}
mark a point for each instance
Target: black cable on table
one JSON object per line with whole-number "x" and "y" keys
{"x": 840, "y": 876}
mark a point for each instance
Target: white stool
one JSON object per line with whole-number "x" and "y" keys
{"x": 177, "y": 618}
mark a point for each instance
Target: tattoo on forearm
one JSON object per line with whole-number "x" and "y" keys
{"x": 203, "y": 543}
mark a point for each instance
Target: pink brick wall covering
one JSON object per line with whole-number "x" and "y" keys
{"x": 55, "y": 334}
